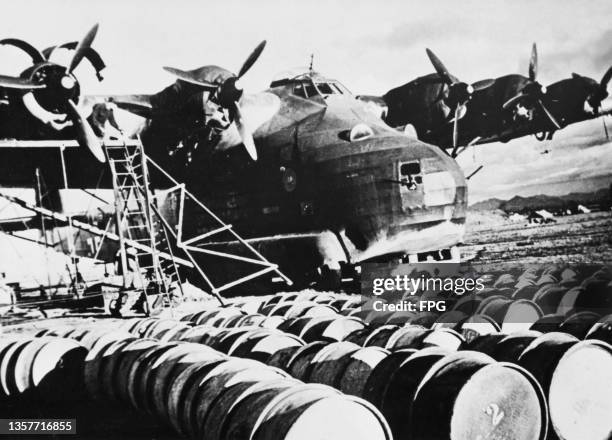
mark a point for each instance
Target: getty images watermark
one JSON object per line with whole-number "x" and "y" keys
{"x": 417, "y": 287}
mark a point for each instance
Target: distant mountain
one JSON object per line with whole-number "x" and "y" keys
{"x": 520, "y": 204}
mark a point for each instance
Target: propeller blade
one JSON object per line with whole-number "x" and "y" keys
{"x": 456, "y": 127}
{"x": 245, "y": 133}
{"x": 10, "y": 82}
{"x": 82, "y": 48}
{"x": 439, "y": 67}
{"x": 533, "y": 63}
{"x": 85, "y": 134}
{"x": 188, "y": 77}
{"x": 549, "y": 115}
{"x": 513, "y": 100}
{"x": 251, "y": 59}
{"x": 605, "y": 126}
{"x": 481, "y": 85}
{"x": 34, "y": 53}
{"x": 604, "y": 82}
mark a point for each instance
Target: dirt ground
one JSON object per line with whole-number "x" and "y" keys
{"x": 582, "y": 238}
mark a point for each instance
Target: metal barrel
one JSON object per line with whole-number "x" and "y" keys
{"x": 359, "y": 336}
{"x": 188, "y": 416}
{"x": 312, "y": 329}
{"x": 224, "y": 340}
{"x": 157, "y": 373}
{"x": 239, "y": 422}
{"x": 478, "y": 325}
{"x": 400, "y": 318}
{"x": 272, "y": 321}
{"x": 251, "y": 320}
{"x": 212, "y": 387}
{"x": 520, "y": 315}
{"x": 244, "y": 343}
{"x": 280, "y": 359}
{"x": 123, "y": 363}
{"x": 296, "y": 414}
{"x": 378, "y": 380}
{"x": 167, "y": 373}
{"x": 601, "y": 330}
{"x": 580, "y": 390}
{"x": 7, "y": 366}
{"x": 181, "y": 384}
{"x": 511, "y": 346}
{"x": 45, "y": 369}
{"x": 578, "y": 324}
{"x": 541, "y": 356}
{"x": 175, "y": 333}
{"x": 396, "y": 401}
{"x": 468, "y": 395}
{"x": 215, "y": 422}
{"x": 409, "y": 336}
{"x": 327, "y": 366}
{"x": 200, "y": 334}
{"x": 360, "y": 365}
{"x": 139, "y": 371}
{"x": 379, "y": 337}
{"x": 548, "y": 298}
{"x": 262, "y": 349}
{"x": 299, "y": 364}
{"x": 158, "y": 327}
{"x": 100, "y": 353}
{"x": 548, "y": 323}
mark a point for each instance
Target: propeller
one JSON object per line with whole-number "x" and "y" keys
{"x": 459, "y": 92}
{"x": 82, "y": 48}
{"x": 601, "y": 91}
{"x": 532, "y": 92}
{"x": 85, "y": 133}
{"x": 227, "y": 94}
{"x": 53, "y": 91}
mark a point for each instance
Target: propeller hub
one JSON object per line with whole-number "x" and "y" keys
{"x": 60, "y": 86}
{"x": 68, "y": 82}
{"x": 459, "y": 94}
{"x": 228, "y": 93}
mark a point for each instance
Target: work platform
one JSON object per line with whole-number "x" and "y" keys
{"x": 154, "y": 250}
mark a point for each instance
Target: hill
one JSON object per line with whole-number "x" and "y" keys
{"x": 601, "y": 197}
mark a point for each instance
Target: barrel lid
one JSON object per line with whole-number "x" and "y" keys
{"x": 580, "y": 390}
{"x": 520, "y": 315}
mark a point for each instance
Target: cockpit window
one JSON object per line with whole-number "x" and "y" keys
{"x": 337, "y": 88}
{"x": 310, "y": 90}
{"x": 306, "y": 89}
{"x": 299, "y": 90}
{"x": 325, "y": 89}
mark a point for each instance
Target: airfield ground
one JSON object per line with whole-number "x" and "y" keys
{"x": 492, "y": 241}
{"x": 582, "y": 238}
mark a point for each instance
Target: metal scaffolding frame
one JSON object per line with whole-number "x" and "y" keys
{"x": 148, "y": 234}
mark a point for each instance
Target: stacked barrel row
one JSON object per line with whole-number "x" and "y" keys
{"x": 544, "y": 299}
{"x": 40, "y": 369}
{"x": 397, "y": 367}
{"x": 203, "y": 393}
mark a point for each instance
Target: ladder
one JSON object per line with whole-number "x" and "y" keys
{"x": 137, "y": 221}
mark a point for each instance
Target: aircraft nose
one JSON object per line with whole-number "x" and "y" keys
{"x": 414, "y": 202}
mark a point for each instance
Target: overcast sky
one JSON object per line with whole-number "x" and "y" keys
{"x": 371, "y": 46}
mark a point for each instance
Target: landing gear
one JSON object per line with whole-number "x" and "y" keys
{"x": 328, "y": 278}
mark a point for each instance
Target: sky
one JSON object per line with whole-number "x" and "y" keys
{"x": 370, "y": 46}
